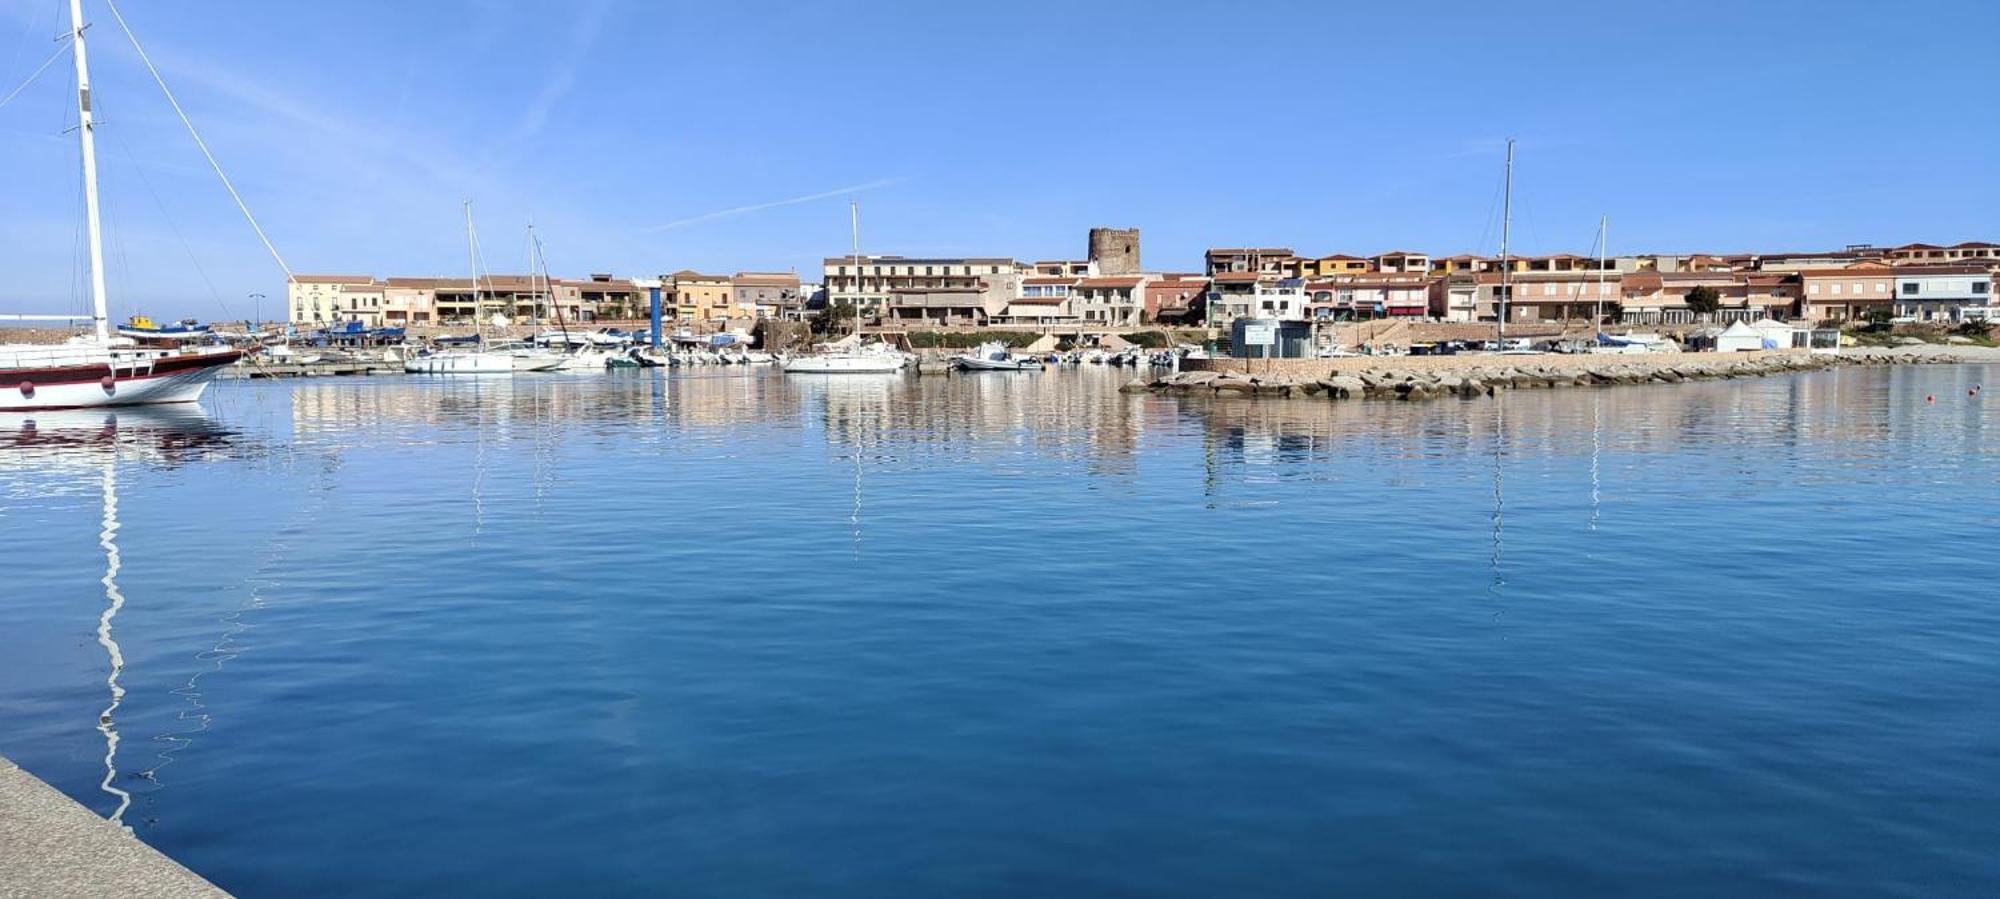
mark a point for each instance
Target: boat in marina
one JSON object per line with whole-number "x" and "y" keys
{"x": 858, "y": 358}
{"x": 993, "y": 356}
{"x": 140, "y": 327}
{"x": 99, "y": 368}
{"x": 874, "y": 358}
{"x": 479, "y": 359}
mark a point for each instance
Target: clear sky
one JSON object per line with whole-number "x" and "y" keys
{"x": 643, "y": 137}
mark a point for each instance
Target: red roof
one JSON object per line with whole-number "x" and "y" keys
{"x": 1235, "y": 277}
{"x": 1110, "y": 282}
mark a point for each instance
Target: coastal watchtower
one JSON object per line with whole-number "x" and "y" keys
{"x": 1115, "y": 251}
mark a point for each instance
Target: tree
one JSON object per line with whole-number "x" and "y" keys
{"x": 1704, "y": 300}
{"x": 829, "y": 319}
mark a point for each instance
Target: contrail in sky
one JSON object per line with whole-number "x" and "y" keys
{"x": 758, "y": 207}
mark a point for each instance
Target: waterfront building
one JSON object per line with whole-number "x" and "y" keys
{"x": 1944, "y": 293}
{"x": 1070, "y": 268}
{"x": 1464, "y": 262}
{"x": 1367, "y": 296}
{"x": 1329, "y": 266}
{"x": 1932, "y": 254}
{"x": 772, "y": 295}
{"x": 697, "y": 298}
{"x": 1542, "y": 296}
{"x": 1116, "y": 302}
{"x": 1455, "y": 297}
{"x": 1043, "y": 300}
{"x": 1846, "y": 293}
{"x": 1268, "y": 262}
{"x": 1402, "y": 261}
{"x": 311, "y": 299}
{"x": 979, "y": 303}
{"x": 1652, "y": 297}
{"x": 601, "y": 296}
{"x": 1234, "y": 295}
{"x": 869, "y": 285}
{"x": 1175, "y": 299}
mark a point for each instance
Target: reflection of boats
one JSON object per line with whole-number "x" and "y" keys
{"x": 993, "y": 356}
{"x": 97, "y": 369}
{"x": 148, "y": 433}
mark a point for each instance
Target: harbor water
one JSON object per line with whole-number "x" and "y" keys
{"x": 756, "y": 634}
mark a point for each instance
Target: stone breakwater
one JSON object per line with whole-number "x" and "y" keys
{"x": 1433, "y": 377}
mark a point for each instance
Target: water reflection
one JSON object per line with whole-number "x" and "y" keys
{"x": 114, "y": 600}
{"x": 104, "y": 440}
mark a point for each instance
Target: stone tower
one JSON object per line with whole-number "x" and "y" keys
{"x": 1115, "y": 250}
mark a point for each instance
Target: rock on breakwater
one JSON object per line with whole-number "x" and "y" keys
{"x": 1432, "y": 377}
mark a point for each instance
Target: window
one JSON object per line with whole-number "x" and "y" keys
{"x": 1548, "y": 290}
{"x": 1981, "y": 286}
{"x": 1881, "y": 287}
{"x": 1909, "y": 288}
{"x": 1857, "y": 288}
{"x": 1812, "y": 288}
{"x": 1836, "y": 288}
{"x": 927, "y": 270}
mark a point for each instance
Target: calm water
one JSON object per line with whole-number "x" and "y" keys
{"x": 1019, "y": 634}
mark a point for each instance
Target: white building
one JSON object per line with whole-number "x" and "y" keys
{"x": 1942, "y": 292}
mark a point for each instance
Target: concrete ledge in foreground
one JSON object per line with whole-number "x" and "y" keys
{"x": 51, "y": 846}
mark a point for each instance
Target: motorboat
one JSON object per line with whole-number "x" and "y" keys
{"x": 461, "y": 362}
{"x": 993, "y": 356}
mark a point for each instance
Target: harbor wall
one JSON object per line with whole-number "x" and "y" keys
{"x": 1318, "y": 368}
{"x": 51, "y": 846}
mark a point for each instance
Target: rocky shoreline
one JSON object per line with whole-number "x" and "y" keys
{"x": 1474, "y": 376}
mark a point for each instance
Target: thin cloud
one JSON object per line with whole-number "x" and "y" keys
{"x": 563, "y": 79}
{"x": 759, "y": 207}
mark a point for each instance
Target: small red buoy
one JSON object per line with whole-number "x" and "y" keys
{"x": 28, "y": 389}
{"x": 109, "y": 383}
{"x": 1930, "y": 398}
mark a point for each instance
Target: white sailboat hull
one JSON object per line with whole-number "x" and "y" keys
{"x": 844, "y": 365}
{"x": 111, "y": 381}
{"x": 460, "y": 364}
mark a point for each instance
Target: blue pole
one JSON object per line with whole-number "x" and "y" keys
{"x": 654, "y": 294}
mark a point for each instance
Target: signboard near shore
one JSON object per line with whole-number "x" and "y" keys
{"x": 1260, "y": 333}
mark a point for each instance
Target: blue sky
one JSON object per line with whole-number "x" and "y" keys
{"x": 644, "y": 137}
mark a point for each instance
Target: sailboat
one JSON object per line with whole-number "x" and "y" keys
{"x": 479, "y": 361}
{"x": 859, "y": 358}
{"x": 99, "y": 369}
{"x": 583, "y": 355}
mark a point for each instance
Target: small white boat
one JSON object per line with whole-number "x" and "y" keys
{"x": 993, "y": 356}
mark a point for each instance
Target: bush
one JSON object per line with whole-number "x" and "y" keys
{"x": 1152, "y": 340}
{"x": 965, "y": 340}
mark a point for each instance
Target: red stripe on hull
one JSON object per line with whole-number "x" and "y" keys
{"x": 94, "y": 372}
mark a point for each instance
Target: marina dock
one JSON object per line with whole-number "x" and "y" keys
{"x": 51, "y": 846}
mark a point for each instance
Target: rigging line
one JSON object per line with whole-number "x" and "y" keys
{"x": 36, "y": 74}
{"x": 169, "y": 218}
{"x": 198, "y": 142}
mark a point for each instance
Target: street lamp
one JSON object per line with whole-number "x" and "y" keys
{"x": 257, "y": 310}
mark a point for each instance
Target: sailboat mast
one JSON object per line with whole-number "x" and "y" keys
{"x": 1603, "y": 226}
{"x": 1506, "y": 265}
{"x": 87, "y": 132}
{"x": 854, "y": 221}
{"x": 472, "y": 254}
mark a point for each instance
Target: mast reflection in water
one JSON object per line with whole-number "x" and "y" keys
{"x": 104, "y": 440}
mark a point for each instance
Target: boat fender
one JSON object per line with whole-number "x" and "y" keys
{"x": 109, "y": 383}
{"x": 28, "y": 389}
